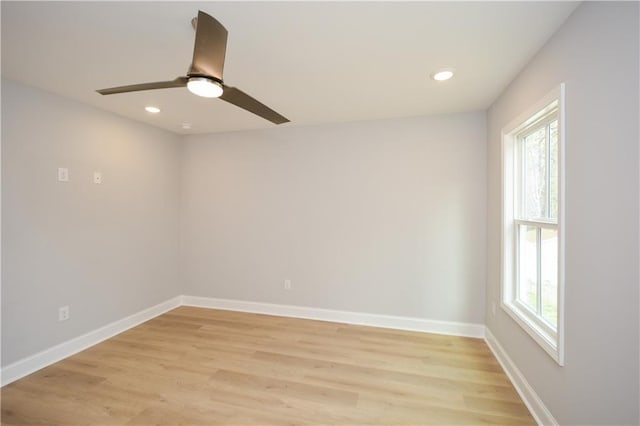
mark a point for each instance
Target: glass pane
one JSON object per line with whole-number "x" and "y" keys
{"x": 528, "y": 266}
{"x": 535, "y": 174}
{"x": 549, "y": 275}
{"x": 553, "y": 166}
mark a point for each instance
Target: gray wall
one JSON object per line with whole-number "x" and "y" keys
{"x": 106, "y": 250}
{"x": 597, "y": 54}
{"x": 383, "y": 217}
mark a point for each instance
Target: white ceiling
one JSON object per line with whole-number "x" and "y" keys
{"x": 313, "y": 62}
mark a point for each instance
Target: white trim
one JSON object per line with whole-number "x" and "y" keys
{"x": 33, "y": 363}
{"x": 553, "y": 345}
{"x": 538, "y": 410}
{"x": 523, "y": 119}
{"x": 561, "y": 218}
{"x": 374, "y": 320}
{"x": 536, "y": 332}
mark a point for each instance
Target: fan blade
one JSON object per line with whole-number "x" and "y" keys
{"x": 178, "y": 82}
{"x": 240, "y": 99}
{"x": 209, "y": 48}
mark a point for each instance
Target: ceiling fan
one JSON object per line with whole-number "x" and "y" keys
{"x": 205, "y": 74}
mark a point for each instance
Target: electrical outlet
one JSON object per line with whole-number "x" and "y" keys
{"x": 63, "y": 313}
{"x": 287, "y": 285}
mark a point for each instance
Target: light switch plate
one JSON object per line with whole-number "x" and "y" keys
{"x": 63, "y": 174}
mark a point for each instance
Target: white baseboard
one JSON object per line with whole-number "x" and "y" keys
{"x": 49, "y": 356}
{"x": 538, "y": 410}
{"x": 374, "y": 320}
{"x": 26, "y": 366}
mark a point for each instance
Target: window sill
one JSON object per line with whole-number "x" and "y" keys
{"x": 550, "y": 343}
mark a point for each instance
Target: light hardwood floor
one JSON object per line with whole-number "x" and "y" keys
{"x": 195, "y": 366}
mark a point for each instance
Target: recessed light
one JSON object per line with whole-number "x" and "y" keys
{"x": 152, "y": 109}
{"x": 186, "y": 126}
{"x": 442, "y": 75}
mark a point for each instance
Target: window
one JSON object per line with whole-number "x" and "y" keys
{"x": 532, "y": 238}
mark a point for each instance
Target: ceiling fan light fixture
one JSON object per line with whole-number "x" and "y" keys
{"x": 204, "y": 77}
{"x": 205, "y": 87}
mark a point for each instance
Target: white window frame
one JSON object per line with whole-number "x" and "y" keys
{"x": 552, "y": 341}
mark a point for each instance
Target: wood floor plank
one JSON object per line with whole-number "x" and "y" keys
{"x": 206, "y": 367}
